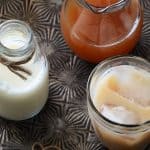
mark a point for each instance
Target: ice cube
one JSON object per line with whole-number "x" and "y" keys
{"x": 133, "y": 83}
{"x": 119, "y": 114}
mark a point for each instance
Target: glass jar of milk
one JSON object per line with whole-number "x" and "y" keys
{"x": 23, "y": 72}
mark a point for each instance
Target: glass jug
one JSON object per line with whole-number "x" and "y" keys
{"x": 97, "y": 29}
{"x": 23, "y": 72}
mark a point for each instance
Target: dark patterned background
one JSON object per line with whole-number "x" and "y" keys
{"x": 64, "y": 121}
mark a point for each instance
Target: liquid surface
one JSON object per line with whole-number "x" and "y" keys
{"x": 123, "y": 98}
{"x": 14, "y": 39}
{"x": 101, "y": 3}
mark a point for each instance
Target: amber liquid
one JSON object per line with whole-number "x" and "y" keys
{"x": 95, "y": 37}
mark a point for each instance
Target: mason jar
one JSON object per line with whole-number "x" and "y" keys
{"x": 23, "y": 72}
{"x": 118, "y": 135}
{"x": 97, "y": 29}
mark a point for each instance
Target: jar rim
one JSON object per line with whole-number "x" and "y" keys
{"x": 21, "y": 50}
{"x": 111, "y": 124}
{"x": 107, "y": 9}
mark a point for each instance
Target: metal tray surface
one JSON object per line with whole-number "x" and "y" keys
{"x": 64, "y": 120}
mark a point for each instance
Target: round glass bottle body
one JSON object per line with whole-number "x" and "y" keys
{"x": 24, "y": 72}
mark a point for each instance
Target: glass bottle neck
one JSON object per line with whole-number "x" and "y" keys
{"x": 120, "y": 4}
{"x": 16, "y": 39}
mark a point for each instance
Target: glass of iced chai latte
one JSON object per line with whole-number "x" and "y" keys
{"x": 118, "y": 93}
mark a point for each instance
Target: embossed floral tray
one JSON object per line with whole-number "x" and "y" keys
{"x": 64, "y": 121}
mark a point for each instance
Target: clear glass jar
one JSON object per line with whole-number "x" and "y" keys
{"x": 114, "y": 135}
{"x": 97, "y": 29}
{"x": 24, "y": 72}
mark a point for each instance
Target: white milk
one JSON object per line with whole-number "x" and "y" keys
{"x": 21, "y": 99}
{"x": 122, "y": 94}
{"x": 14, "y": 39}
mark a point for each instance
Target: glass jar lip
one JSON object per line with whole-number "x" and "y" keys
{"x": 21, "y": 50}
{"x": 111, "y": 8}
{"x": 89, "y": 99}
